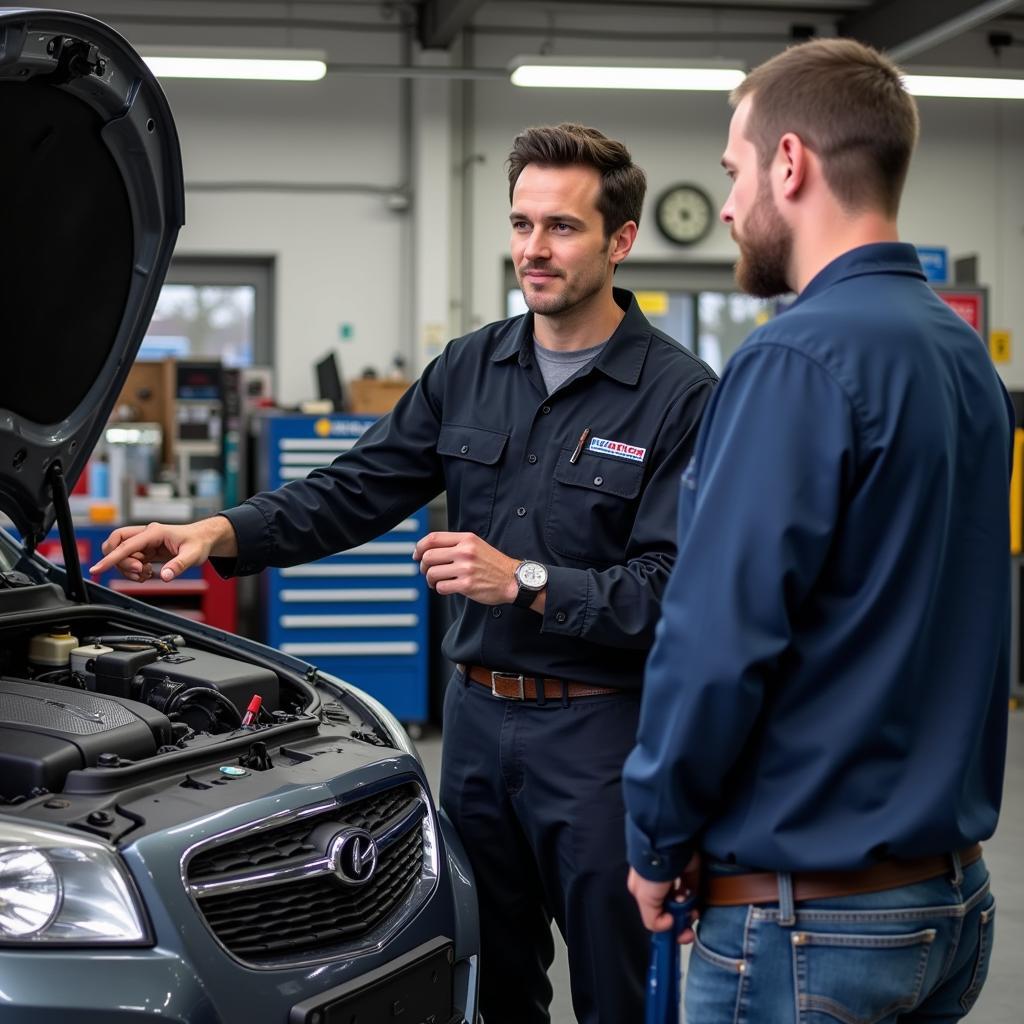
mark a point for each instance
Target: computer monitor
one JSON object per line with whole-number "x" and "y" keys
{"x": 329, "y": 383}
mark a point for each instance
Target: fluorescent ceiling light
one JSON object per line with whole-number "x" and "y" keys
{"x": 962, "y": 87}
{"x": 609, "y": 73}
{"x": 258, "y": 65}
{"x": 713, "y": 76}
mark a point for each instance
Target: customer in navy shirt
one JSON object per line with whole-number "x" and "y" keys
{"x": 823, "y": 722}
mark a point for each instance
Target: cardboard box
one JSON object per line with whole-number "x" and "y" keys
{"x": 373, "y": 395}
{"x": 148, "y": 396}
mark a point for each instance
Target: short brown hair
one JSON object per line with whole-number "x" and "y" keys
{"x": 623, "y": 184}
{"x": 848, "y": 104}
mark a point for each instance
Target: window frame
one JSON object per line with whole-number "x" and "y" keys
{"x": 258, "y": 272}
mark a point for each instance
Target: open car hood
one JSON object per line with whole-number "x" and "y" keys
{"x": 92, "y": 198}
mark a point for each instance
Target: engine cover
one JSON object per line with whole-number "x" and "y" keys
{"x": 47, "y": 731}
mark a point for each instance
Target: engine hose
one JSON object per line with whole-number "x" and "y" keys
{"x": 162, "y": 644}
{"x": 195, "y": 692}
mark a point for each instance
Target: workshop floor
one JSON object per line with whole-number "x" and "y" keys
{"x": 1002, "y": 999}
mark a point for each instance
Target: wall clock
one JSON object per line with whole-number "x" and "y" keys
{"x": 684, "y": 214}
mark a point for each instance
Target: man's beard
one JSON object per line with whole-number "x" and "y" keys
{"x": 584, "y": 285}
{"x": 765, "y": 249}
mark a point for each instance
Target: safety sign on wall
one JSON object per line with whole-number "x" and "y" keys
{"x": 1000, "y": 346}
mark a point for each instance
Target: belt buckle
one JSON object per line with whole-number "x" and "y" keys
{"x": 509, "y": 675}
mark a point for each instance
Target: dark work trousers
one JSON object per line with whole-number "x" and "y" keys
{"x": 535, "y": 792}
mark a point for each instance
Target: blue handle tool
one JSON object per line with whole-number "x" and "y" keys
{"x": 663, "y": 975}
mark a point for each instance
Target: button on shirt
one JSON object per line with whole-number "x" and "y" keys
{"x": 829, "y": 682}
{"x": 480, "y": 425}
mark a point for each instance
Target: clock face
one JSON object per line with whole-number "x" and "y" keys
{"x": 684, "y": 214}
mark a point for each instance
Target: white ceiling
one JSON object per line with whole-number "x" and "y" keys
{"x": 378, "y": 31}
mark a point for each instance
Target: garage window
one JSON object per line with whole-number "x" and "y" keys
{"x": 213, "y": 309}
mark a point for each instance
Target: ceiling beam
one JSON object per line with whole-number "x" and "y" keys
{"x": 440, "y": 21}
{"x": 905, "y": 28}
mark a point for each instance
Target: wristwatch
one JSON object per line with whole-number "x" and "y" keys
{"x": 532, "y": 578}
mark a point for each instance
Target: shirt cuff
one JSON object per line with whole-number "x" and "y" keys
{"x": 252, "y": 534}
{"x": 565, "y": 601}
{"x": 650, "y": 863}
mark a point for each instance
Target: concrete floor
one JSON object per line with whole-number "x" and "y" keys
{"x": 1002, "y": 999}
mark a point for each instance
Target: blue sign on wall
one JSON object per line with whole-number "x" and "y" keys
{"x": 935, "y": 262}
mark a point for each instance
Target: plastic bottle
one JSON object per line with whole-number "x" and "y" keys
{"x": 53, "y": 649}
{"x": 99, "y": 478}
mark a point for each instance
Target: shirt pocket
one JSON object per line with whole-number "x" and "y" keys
{"x": 472, "y": 460}
{"x": 592, "y": 506}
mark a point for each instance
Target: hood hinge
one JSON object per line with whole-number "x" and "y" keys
{"x": 75, "y": 59}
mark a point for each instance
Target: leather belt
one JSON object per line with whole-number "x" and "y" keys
{"x": 514, "y": 686}
{"x": 762, "y": 887}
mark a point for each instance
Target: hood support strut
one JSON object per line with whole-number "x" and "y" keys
{"x": 75, "y": 585}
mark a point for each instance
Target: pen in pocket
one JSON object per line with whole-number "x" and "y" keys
{"x": 579, "y": 445}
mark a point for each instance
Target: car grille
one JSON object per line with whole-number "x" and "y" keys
{"x": 261, "y": 920}
{"x": 273, "y": 847}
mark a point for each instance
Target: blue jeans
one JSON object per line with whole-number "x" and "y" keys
{"x": 915, "y": 954}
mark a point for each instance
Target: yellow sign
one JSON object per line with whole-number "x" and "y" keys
{"x": 323, "y": 427}
{"x": 652, "y": 303}
{"x": 1000, "y": 346}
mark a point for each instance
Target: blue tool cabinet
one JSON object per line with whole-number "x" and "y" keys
{"x": 360, "y": 615}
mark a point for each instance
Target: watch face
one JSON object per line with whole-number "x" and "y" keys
{"x": 532, "y": 575}
{"x": 684, "y": 214}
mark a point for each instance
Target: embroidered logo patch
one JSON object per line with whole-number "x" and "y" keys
{"x": 617, "y": 448}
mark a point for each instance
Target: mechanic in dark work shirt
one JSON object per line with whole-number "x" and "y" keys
{"x": 559, "y": 437}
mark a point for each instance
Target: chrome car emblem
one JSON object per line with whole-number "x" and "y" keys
{"x": 354, "y": 855}
{"x": 75, "y": 710}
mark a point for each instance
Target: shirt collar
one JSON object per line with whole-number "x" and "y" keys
{"x": 621, "y": 359}
{"x": 877, "y": 258}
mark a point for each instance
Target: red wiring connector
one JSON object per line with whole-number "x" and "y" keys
{"x": 253, "y": 710}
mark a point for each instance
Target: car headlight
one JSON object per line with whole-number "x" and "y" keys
{"x": 64, "y": 889}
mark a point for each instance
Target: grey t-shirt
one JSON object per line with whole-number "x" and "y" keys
{"x": 556, "y": 367}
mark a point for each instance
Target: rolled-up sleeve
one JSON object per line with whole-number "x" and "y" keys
{"x": 756, "y": 517}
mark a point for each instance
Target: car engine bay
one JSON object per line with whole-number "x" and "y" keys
{"x": 86, "y": 695}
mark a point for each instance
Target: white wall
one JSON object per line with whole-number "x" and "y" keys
{"x": 342, "y": 258}
{"x": 337, "y": 254}
{"x": 398, "y": 277}
{"x": 965, "y": 191}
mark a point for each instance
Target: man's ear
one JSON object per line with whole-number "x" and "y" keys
{"x": 792, "y": 160}
{"x": 621, "y": 242}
